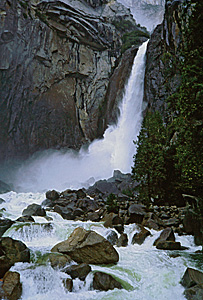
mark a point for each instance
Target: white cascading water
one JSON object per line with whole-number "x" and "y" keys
{"x": 61, "y": 170}
{"x": 145, "y": 272}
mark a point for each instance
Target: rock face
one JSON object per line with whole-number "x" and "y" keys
{"x": 56, "y": 61}
{"x": 12, "y": 251}
{"x": 86, "y": 246}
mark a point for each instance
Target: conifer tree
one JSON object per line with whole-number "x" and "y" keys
{"x": 149, "y": 167}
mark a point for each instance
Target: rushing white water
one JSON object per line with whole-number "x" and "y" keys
{"x": 61, "y": 170}
{"x": 145, "y": 272}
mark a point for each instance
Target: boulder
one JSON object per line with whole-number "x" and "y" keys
{"x": 52, "y": 195}
{"x": 194, "y": 293}
{"x": 12, "y": 286}
{"x": 87, "y": 205}
{"x": 105, "y": 282}
{"x": 166, "y": 235}
{"x": 78, "y": 271}
{"x": 87, "y": 246}
{"x": 34, "y": 210}
{"x": 58, "y": 260}
{"x": 169, "y": 245}
{"x": 65, "y": 212}
{"x": 25, "y": 219}
{"x": 171, "y": 222}
{"x": 193, "y": 225}
{"x": 192, "y": 277}
{"x": 12, "y": 251}
{"x": 139, "y": 237}
{"x": 112, "y": 219}
{"x": 151, "y": 221}
{"x": 122, "y": 240}
{"x": 136, "y": 214}
{"x": 93, "y": 216}
{"x": 4, "y": 225}
{"x": 68, "y": 284}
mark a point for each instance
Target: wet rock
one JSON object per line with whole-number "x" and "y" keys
{"x": 12, "y": 286}
{"x": 122, "y": 240}
{"x": 151, "y": 221}
{"x": 52, "y": 195}
{"x": 4, "y": 187}
{"x": 170, "y": 245}
{"x": 112, "y": 219}
{"x": 86, "y": 246}
{"x": 171, "y": 222}
{"x": 87, "y": 205}
{"x": 166, "y": 235}
{"x": 192, "y": 277}
{"x": 25, "y": 219}
{"x": 65, "y": 212}
{"x": 93, "y": 216}
{"x": 136, "y": 214}
{"x": 2, "y": 200}
{"x": 78, "y": 271}
{"x": 105, "y": 282}
{"x": 34, "y": 210}
{"x": 112, "y": 237}
{"x": 194, "y": 293}
{"x": 139, "y": 237}
{"x": 68, "y": 284}
{"x": 193, "y": 225}
{"x": 59, "y": 260}
{"x": 4, "y": 225}
{"x": 12, "y": 251}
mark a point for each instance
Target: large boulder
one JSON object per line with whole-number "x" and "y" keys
{"x": 139, "y": 237}
{"x": 12, "y": 251}
{"x": 4, "y": 225}
{"x": 59, "y": 260}
{"x": 78, "y": 271}
{"x": 192, "y": 280}
{"x": 87, "y": 246}
{"x": 12, "y": 287}
{"x": 34, "y": 210}
{"x": 166, "y": 235}
{"x": 136, "y": 214}
{"x": 105, "y": 282}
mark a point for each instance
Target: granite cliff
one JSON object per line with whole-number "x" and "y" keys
{"x": 57, "y": 58}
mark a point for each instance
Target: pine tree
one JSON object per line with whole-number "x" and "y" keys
{"x": 149, "y": 166}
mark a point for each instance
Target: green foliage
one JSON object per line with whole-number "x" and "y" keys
{"x": 112, "y": 204}
{"x": 149, "y": 168}
{"x": 132, "y": 38}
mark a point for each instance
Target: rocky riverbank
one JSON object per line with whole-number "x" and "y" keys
{"x": 114, "y": 203}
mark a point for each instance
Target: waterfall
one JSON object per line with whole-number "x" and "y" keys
{"x": 61, "y": 170}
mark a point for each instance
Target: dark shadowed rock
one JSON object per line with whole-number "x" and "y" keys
{"x": 170, "y": 245}
{"x": 104, "y": 187}
{"x": 12, "y": 286}
{"x": 4, "y": 225}
{"x": 105, "y": 282}
{"x": 66, "y": 213}
{"x": 25, "y": 219}
{"x": 136, "y": 214}
{"x": 194, "y": 293}
{"x": 2, "y": 200}
{"x": 166, "y": 235}
{"x": 93, "y": 216}
{"x": 151, "y": 221}
{"x": 12, "y": 251}
{"x": 81, "y": 193}
{"x": 112, "y": 219}
{"x": 192, "y": 225}
{"x": 52, "y": 195}
{"x": 34, "y": 210}
{"x": 87, "y": 246}
{"x": 139, "y": 237}
{"x": 68, "y": 284}
{"x": 192, "y": 277}
{"x": 78, "y": 271}
{"x": 122, "y": 240}
{"x": 87, "y": 205}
